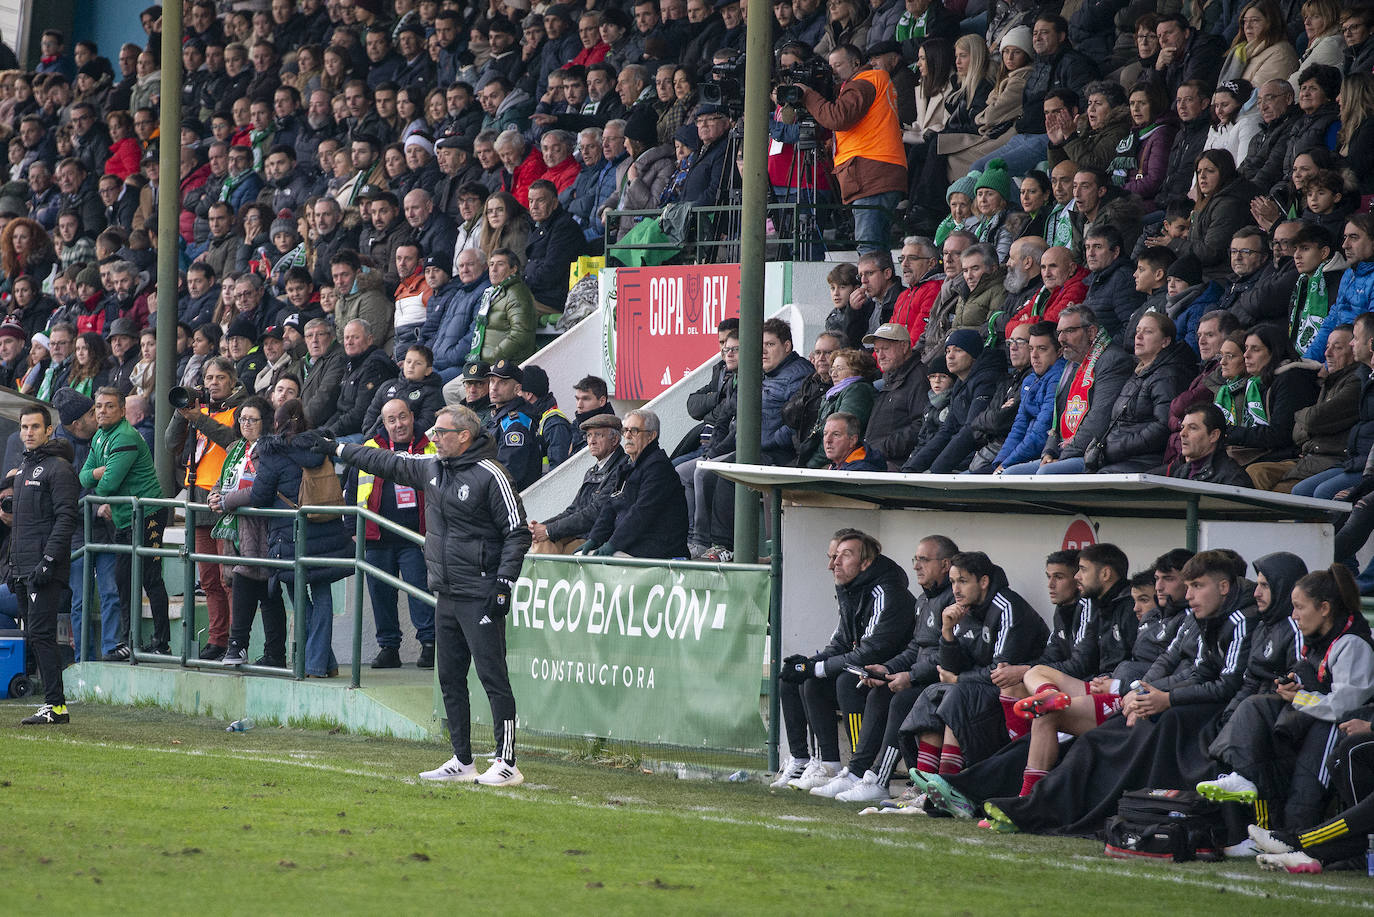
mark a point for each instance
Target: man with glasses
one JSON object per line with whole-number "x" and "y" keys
{"x": 1355, "y": 29}
{"x": 1259, "y": 287}
{"x": 940, "y": 320}
{"x": 477, "y": 538}
{"x": 922, "y": 277}
{"x": 1096, "y": 371}
{"x": 566, "y": 532}
{"x": 89, "y": 136}
{"x": 1264, "y": 163}
{"x": 647, "y": 516}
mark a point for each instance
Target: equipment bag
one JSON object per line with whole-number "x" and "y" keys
{"x": 1170, "y": 825}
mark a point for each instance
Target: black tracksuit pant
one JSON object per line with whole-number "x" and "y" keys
{"x": 39, "y": 606}
{"x": 879, "y": 733}
{"x": 1346, "y": 835}
{"x": 468, "y": 634}
{"x": 812, "y": 703}
{"x": 154, "y": 524}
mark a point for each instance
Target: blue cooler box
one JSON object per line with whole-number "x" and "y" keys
{"x": 11, "y": 663}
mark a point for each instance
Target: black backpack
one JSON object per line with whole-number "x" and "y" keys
{"x": 1169, "y": 825}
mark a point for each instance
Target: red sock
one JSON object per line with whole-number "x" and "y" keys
{"x": 1047, "y": 686}
{"x": 951, "y": 760}
{"x": 1030, "y": 779}
{"x": 927, "y": 758}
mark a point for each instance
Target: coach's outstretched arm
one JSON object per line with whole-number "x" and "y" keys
{"x": 400, "y": 467}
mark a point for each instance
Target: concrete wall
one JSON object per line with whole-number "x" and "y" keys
{"x": 1017, "y": 543}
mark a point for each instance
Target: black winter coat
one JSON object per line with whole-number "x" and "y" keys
{"x": 647, "y": 516}
{"x": 425, "y": 398}
{"x": 1264, "y": 164}
{"x": 553, "y": 245}
{"x": 475, "y": 529}
{"x": 1294, "y": 386}
{"x": 1004, "y": 628}
{"x": 279, "y": 475}
{"x": 1309, "y": 131}
{"x": 363, "y": 375}
{"x": 950, "y": 449}
{"x": 922, "y": 654}
{"x": 1276, "y": 644}
{"x": 1261, "y": 297}
{"x": 877, "y": 617}
{"x": 1206, "y": 661}
{"x": 898, "y": 409}
{"x": 46, "y": 491}
{"x": 1067, "y": 69}
{"x": 1217, "y": 468}
{"x": 1209, "y": 239}
{"x": 1112, "y": 295}
{"x": 1189, "y": 143}
{"x": 598, "y": 484}
{"x": 1113, "y": 368}
{"x": 1140, "y": 416}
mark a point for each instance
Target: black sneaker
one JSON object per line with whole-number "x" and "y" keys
{"x": 47, "y": 715}
{"x": 274, "y": 662}
{"x": 235, "y": 655}
{"x": 426, "y": 660}
{"x": 119, "y": 654}
{"x": 212, "y": 653}
{"x": 388, "y": 657}
{"x": 152, "y": 646}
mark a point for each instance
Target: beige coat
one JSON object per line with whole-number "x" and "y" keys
{"x": 1004, "y": 107}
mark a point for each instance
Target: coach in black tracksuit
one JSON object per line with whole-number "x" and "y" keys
{"x": 476, "y": 538}
{"x": 45, "y": 517}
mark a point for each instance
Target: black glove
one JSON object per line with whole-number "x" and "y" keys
{"x": 795, "y": 669}
{"x": 588, "y": 548}
{"x": 42, "y": 574}
{"x": 314, "y": 441}
{"x": 500, "y": 599}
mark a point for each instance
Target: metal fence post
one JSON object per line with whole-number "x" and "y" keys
{"x": 775, "y": 632}
{"x": 359, "y": 540}
{"x": 298, "y": 595}
{"x": 87, "y": 585}
{"x": 188, "y": 584}
{"x": 135, "y": 581}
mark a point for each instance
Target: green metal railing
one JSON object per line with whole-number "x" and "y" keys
{"x": 190, "y": 557}
{"x": 716, "y": 228}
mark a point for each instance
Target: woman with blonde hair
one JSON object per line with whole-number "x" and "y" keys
{"x": 1356, "y": 138}
{"x": 1321, "y": 19}
{"x": 995, "y": 123}
{"x": 1261, "y": 50}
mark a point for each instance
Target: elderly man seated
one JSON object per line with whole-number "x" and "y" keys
{"x": 567, "y": 531}
{"x": 647, "y": 517}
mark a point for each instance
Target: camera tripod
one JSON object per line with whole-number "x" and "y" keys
{"x": 803, "y": 183}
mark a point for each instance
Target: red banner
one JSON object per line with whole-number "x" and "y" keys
{"x": 665, "y": 323}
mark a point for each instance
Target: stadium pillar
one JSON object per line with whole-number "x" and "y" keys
{"x": 168, "y": 247}
{"x": 758, "y": 65}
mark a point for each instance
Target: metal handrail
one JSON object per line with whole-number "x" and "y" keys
{"x": 190, "y": 557}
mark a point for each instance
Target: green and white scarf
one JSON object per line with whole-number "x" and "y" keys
{"x": 1059, "y": 231}
{"x": 910, "y": 26}
{"x": 1248, "y": 410}
{"x": 1309, "y": 307}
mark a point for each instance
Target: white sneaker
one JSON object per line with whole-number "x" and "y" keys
{"x": 1229, "y": 788}
{"x": 1296, "y": 862}
{"x": 501, "y": 774}
{"x": 791, "y": 769}
{"x": 1267, "y": 842}
{"x": 1246, "y": 848}
{"x": 866, "y": 790}
{"x": 836, "y": 785}
{"x": 452, "y": 771}
{"x": 817, "y": 773}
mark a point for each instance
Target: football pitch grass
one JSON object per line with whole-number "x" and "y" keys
{"x": 137, "y": 810}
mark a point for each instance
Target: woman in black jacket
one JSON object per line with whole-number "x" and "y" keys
{"x": 1223, "y": 206}
{"x": 1277, "y": 383}
{"x": 1356, "y": 138}
{"x": 1139, "y": 431}
{"x": 278, "y": 484}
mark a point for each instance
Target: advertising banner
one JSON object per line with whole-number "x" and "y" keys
{"x": 662, "y": 654}
{"x": 664, "y": 323}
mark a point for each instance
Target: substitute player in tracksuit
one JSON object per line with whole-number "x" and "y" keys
{"x": 476, "y": 539}
{"x": 45, "y": 517}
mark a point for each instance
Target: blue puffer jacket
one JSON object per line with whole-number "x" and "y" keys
{"x": 448, "y": 327}
{"x": 778, "y": 387}
{"x": 1033, "y": 417}
{"x": 279, "y": 475}
{"x": 1357, "y": 286}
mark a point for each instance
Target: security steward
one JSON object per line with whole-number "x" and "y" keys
{"x": 44, "y": 522}
{"x": 510, "y": 425}
{"x": 404, "y": 506}
{"x": 476, "y": 540}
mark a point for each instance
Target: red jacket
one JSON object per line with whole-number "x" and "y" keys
{"x": 124, "y": 158}
{"x": 588, "y": 56}
{"x": 1073, "y": 291}
{"x": 562, "y": 175}
{"x": 187, "y": 221}
{"x": 913, "y": 305}
{"x": 526, "y": 174}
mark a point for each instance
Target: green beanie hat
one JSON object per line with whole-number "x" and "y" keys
{"x": 996, "y": 177}
{"x": 964, "y": 186}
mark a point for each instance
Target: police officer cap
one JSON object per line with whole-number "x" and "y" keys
{"x": 505, "y": 369}
{"x": 475, "y": 371}
{"x": 601, "y": 422}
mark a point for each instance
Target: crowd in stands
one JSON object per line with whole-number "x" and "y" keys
{"x": 1187, "y": 673}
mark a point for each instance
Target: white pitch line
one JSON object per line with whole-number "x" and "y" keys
{"x": 788, "y": 824}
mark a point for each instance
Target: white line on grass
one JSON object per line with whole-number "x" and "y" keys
{"x": 891, "y": 836}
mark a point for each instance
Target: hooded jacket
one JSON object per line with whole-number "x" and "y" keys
{"x": 1277, "y": 642}
{"x": 877, "y": 617}
{"x": 424, "y": 398}
{"x": 952, "y": 445}
{"x": 1352, "y": 299}
{"x": 1003, "y": 628}
{"x": 1112, "y": 294}
{"x": 449, "y": 321}
{"x": 1293, "y": 386}
{"x": 475, "y": 527}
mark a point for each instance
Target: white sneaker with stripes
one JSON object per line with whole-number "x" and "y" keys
{"x": 452, "y": 771}
{"x": 501, "y": 774}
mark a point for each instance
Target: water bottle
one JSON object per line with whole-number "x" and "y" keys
{"x": 242, "y": 725}
{"x": 739, "y": 777}
{"x": 1369, "y": 857}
